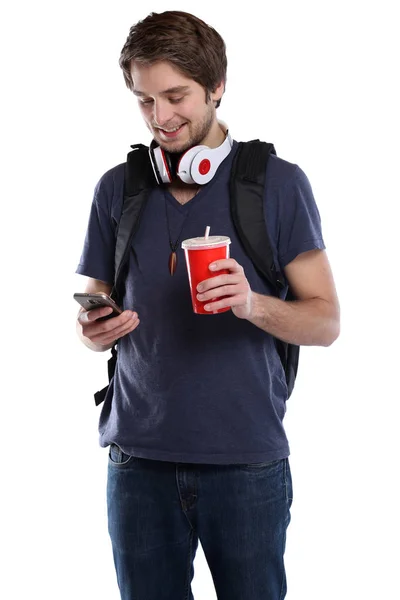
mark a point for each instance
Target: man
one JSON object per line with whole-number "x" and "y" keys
{"x": 193, "y": 415}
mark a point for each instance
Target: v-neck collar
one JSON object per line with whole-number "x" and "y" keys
{"x": 204, "y": 189}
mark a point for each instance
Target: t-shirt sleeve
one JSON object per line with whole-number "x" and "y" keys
{"x": 97, "y": 259}
{"x": 300, "y": 223}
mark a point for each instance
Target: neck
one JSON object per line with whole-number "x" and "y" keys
{"x": 215, "y": 136}
{"x": 183, "y": 192}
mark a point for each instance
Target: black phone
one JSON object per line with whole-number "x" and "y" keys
{"x": 98, "y": 300}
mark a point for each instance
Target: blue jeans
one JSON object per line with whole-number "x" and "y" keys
{"x": 157, "y": 512}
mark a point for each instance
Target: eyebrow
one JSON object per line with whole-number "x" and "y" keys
{"x": 174, "y": 90}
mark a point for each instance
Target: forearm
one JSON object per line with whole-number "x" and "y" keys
{"x": 312, "y": 322}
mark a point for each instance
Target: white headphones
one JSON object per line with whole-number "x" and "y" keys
{"x": 197, "y": 165}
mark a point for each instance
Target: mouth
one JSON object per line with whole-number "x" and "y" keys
{"x": 169, "y": 134}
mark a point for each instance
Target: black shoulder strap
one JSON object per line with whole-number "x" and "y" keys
{"x": 139, "y": 180}
{"x": 247, "y": 183}
{"x": 247, "y": 206}
{"x": 99, "y": 396}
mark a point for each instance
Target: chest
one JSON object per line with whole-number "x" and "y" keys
{"x": 165, "y": 223}
{"x": 183, "y": 195}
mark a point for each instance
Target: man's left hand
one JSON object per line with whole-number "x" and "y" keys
{"x": 233, "y": 286}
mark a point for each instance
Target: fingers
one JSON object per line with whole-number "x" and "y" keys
{"x": 226, "y": 263}
{"x": 226, "y": 301}
{"x": 105, "y": 332}
{"x": 220, "y": 280}
{"x": 225, "y": 290}
{"x": 221, "y": 303}
{"x": 88, "y": 316}
{"x": 116, "y": 334}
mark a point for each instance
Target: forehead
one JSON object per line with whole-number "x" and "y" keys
{"x": 155, "y": 78}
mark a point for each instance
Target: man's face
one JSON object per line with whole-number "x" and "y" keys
{"x": 174, "y": 107}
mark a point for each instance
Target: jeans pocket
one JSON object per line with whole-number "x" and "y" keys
{"x": 288, "y": 483}
{"x": 117, "y": 457}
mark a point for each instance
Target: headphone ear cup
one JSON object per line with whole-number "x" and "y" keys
{"x": 161, "y": 164}
{"x": 184, "y": 167}
{"x": 169, "y": 171}
{"x": 199, "y": 164}
{"x": 204, "y": 166}
{"x": 154, "y": 162}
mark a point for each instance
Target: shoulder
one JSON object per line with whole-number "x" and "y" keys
{"x": 287, "y": 187}
{"x": 110, "y": 180}
{"x": 282, "y": 173}
{"x": 109, "y": 190}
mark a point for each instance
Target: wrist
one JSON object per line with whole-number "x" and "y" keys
{"x": 258, "y": 308}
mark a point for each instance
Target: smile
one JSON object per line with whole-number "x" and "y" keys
{"x": 171, "y": 133}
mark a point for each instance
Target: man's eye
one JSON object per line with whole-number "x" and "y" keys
{"x": 146, "y": 101}
{"x": 175, "y": 100}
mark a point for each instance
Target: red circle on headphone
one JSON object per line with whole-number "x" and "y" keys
{"x": 204, "y": 166}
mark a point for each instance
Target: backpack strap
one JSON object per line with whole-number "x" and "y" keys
{"x": 99, "y": 397}
{"x": 246, "y": 187}
{"x": 138, "y": 182}
{"x": 247, "y": 207}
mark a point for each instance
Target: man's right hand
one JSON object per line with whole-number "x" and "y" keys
{"x": 105, "y": 333}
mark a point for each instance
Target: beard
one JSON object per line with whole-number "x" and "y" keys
{"x": 197, "y": 133}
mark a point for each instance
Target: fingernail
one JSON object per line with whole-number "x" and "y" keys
{"x": 213, "y": 267}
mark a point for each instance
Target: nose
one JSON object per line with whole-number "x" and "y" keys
{"x": 162, "y": 112}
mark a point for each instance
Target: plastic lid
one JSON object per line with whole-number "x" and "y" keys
{"x": 200, "y": 243}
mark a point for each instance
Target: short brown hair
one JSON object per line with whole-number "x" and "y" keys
{"x": 185, "y": 41}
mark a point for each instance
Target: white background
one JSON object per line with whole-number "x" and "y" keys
{"x": 318, "y": 79}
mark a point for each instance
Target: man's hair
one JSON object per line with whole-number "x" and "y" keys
{"x": 190, "y": 45}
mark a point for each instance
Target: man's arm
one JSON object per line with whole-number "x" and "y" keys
{"x": 314, "y": 318}
{"x": 94, "y": 286}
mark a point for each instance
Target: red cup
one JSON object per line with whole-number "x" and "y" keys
{"x": 200, "y": 253}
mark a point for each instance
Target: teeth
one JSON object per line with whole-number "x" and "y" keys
{"x": 171, "y": 130}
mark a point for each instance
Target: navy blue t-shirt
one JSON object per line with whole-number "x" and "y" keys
{"x": 196, "y": 388}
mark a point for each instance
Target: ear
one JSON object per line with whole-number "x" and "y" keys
{"x": 218, "y": 92}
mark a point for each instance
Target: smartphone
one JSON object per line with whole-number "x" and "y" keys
{"x": 98, "y": 300}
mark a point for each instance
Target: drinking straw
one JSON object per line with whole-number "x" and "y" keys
{"x": 207, "y": 232}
